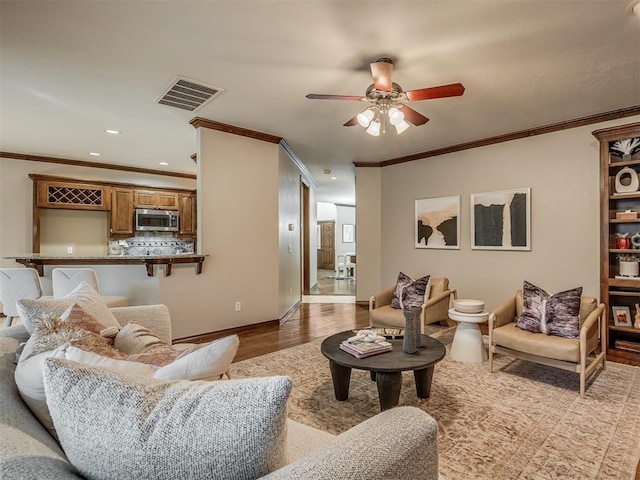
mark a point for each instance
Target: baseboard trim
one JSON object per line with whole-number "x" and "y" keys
{"x": 362, "y": 303}
{"x": 207, "y": 337}
{"x": 290, "y": 312}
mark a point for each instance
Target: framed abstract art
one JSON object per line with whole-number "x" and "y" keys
{"x": 437, "y": 222}
{"x": 501, "y": 220}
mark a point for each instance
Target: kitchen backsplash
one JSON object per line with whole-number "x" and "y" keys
{"x": 152, "y": 244}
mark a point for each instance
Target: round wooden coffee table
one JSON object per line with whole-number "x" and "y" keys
{"x": 386, "y": 368}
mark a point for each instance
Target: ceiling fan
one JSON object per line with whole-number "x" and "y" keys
{"x": 388, "y": 99}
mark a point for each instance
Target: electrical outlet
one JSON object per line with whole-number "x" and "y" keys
{"x": 69, "y": 249}
{"x": 238, "y": 306}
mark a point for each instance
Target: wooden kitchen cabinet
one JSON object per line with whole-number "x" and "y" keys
{"x": 187, "y": 215}
{"x": 121, "y": 221}
{"x": 153, "y": 199}
{"x": 117, "y": 198}
{"x": 72, "y": 195}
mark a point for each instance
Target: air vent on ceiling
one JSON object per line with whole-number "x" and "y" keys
{"x": 188, "y": 94}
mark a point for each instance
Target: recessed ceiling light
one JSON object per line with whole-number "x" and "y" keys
{"x": 164, "y": 163}
{"x": 334, "y": 178}
{"x": 94, "y": 154}
{"x": 112, "y": 132}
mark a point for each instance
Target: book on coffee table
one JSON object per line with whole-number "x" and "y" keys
{"x": 365, "y": 349}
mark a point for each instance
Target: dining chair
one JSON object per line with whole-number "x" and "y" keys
{"x": 64, "y": 280}
{"x": 16, "y": 284}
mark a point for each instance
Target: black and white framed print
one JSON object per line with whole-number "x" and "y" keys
{"x": 437, "y": 222}
{"x": 501, "y": 220}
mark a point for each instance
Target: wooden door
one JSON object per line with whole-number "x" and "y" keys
{"x": 327, "y": 250}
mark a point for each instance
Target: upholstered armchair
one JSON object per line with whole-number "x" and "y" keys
{"x": 581, "y": 355}
{"x": 434, "y": 309}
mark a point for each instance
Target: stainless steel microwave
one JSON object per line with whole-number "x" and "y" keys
{"x": 156, "y": 220}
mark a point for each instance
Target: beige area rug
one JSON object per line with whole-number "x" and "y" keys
{"x": 526, "y": 421}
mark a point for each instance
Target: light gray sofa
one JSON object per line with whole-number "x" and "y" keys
{"x": 400, "y": 443}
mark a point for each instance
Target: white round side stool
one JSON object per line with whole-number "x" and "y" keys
{"x": 467, "y": 343}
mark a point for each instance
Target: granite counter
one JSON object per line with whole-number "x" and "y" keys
{"x": 38, "y": 261}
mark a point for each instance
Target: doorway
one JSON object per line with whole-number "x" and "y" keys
{"x": 327, "y": 250}
{"x": 330, "y": 283}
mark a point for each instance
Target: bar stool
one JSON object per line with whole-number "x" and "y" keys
{"x": 341, "y": 267}
{"x": 16, "y": 284}
{"x": 64, "y": 280}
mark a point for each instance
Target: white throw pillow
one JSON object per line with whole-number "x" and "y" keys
{"x": 49, "y": 336}
{"x": 92, "y": 303}
{"x": 134, "y": 338}
{"x": 209, "y": 362}
{"x": 69, "y": 352}
{"x": 136, "y": 427}
{"x": 83, "y": 295}
{"x": 28, "y": 377}
{"x": 31, "y": 310}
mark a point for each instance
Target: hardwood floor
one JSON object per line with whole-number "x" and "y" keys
{"x": 332, "y": 286}
{"x": 310, "y": 321}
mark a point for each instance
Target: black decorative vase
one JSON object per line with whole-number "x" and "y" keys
{"x": 412, "y": 339}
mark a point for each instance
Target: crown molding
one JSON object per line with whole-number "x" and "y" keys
{"x": 616, "y": 132}
{"x": 530, "y": 132}
{"x": 199, "y": 122}
{"x": 82, "y": 163}
{"x": 306, "y": 174}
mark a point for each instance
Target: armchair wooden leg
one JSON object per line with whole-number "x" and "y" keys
{"x": 582, "y": 382}
{"x": 490, "y": 360}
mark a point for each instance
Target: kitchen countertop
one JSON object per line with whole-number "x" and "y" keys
{"x": 37, "y": 261}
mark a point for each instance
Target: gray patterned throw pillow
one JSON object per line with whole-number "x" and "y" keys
{"x": 409, "y": 292}
{"x": 557, "y": 314}
{"x": 113, "y": 425}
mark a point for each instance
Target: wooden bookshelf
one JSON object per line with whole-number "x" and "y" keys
{"x": 618, "y": 291}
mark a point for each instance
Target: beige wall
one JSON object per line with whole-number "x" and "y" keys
{"x": 289, "y": 199}
{"x": 368, "y": 231}
{"x": 238, "y": 229}
{"x": 313, "y": 238}
{"x": 85, "y": 231}
{"x": 562, "y": 169}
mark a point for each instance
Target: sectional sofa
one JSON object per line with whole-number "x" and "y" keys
{"x": 398, "y": 443}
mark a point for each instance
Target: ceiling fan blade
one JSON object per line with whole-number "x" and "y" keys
{"x": 452, "y": 90}
{"x": 413, "y": 117}
{"x": 319, "y": 96}
{"x": 381, "y": 72}
{"x": 351, "y": 122}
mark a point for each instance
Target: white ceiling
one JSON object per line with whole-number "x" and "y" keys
{"x": 68, "y": 70}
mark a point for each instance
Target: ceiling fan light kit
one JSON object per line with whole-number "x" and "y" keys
{"x": 365, "y": 117}
{"x": 388, "y": 99}
{"x": 374, "y": 128}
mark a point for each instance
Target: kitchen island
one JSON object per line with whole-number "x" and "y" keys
{"x": 38, "y": 261}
